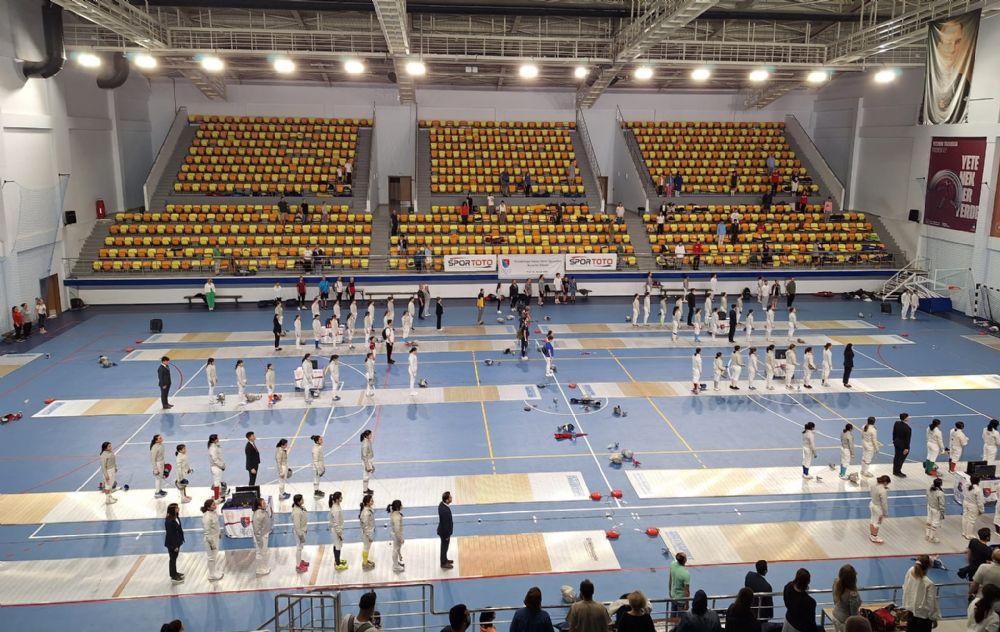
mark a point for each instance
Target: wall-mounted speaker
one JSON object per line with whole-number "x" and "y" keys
{"x": 70, "y": 218}
{"x": 914, "y": 215}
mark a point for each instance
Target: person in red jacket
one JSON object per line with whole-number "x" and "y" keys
{"x": 696, "y": 252}
{"x": 300, "y": 288}
{"x": 18, "y": 318}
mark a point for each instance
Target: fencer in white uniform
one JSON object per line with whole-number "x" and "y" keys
{"x": 735, "y": 368}
{"x": 635, "y": 310}
{"x": 991, "y": 440}
{"x": 281, "y": 461}
{"x": 241, "y": 380}
{"x": 718, "y": 369}
{"x": 827, "y": 363}
{"x": 262, "y": 525}
{"x": 973, "y": 505}
{"x": 645, "y": 309}
{"x": 769, "y": 323}
{"x": 808, "y": 366}
{"x": 216, "y": 460}
{"x": 675, "y": 324}
{"x": 212, "y": 377}
{"x": 846, "y": 449}
{"x": 793, "y": 321}
{"x": 879, "y": 507}
{"x": 791, "y": 361}
{"x": 957, "y": 441}
{"x": 935, "y": 511}
{"x": 808, "y": 448}
{"x": 752, "y": 368}
{"x": 412, "y": 369}
{"x": 696, "y": 371}
{"x": 156, "y": 459}
{"x": 318, "y": 464}
{"x": 748, "y": 325}
{"x": 211, "y": 533}
{"x": 935, "y": 444}
{"x": 869, "y": 446}
{"x": 367, "y": 460}
{"x": 769, "y": 364}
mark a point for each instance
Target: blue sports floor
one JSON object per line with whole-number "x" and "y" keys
{"x": 422, "y": 438}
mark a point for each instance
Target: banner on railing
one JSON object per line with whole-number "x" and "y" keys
{"x": 591, "y": 262}
{"x": 531, "y": 266}
{"x": 470, "y": 263}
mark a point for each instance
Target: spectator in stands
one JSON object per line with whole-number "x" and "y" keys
{"x": 282, "y": 209}
{"x": 767, "y": 201}
{"x": 393, "y": 223}
{"x": 428, "y": 258}
{"x": 502, "y": 209}
{"x": 661, "y": 184}
{"x": 669, "y": 190}
{"x": 504, "y": 182}
{"x": 340, "y": 175}
{"x": 300, "y": 217}
{"x": 771, "y": 163}
{"x": 800, "y": 608}
{"x": 734, "y": 222}
{"x": 349, "y": 171}
{"x": 620, "y": 213}
{"x": 586, "y": 615}
{"x": 803, "y": 201}
{"x": 490, "y": 208}
{"x": 403, "y": 245}
{"x": 679, "y": 256}
{"x": 300, "y": 290}
{"x": 775, "y": 181}
{"x": 637, "y": 617}
{"x": 679, "y": 585}
{"x": 828, "y": 205}
{"x": 755, "y": 580}
{"x": 920, "y": 597}
{"x": 982, "y": 615}
{"x": 720, "y": 233}
{"x": 661, "y": 220}
{"x": 734, "y": 182}
{"x": 458, "y": 619}
{"x": 528, "y": 192}
{"x": 464, "y": 210}
{"x": 977, "y": 554}
{"x": 988, "y": 573}
{"x": 678, "y": 184}
{"x": 531, "y": 618}
{"x": 793, "y": 184}
{"x": 363, "y": 621}
{"x": 740, "y": 616}
{"x": 571, "y": 173}
{"x": 700, "y": 618}
{"x": 696, "y": 252}
{"x": 18, "y": 318}
{"x": 846, "y": 599}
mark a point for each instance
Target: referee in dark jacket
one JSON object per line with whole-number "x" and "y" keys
{"x": 163, "y": 373}
{"x": 445, "y": 529}
{"x": 901, "y": 432}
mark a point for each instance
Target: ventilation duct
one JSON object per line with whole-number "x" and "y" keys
{"x": 55, "y": 50}
{"x": 116, "y": 75}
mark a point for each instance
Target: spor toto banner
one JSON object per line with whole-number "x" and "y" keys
{"x": 954, "y": 180}
{"x": 580, "y": 263}
{"x": 531, "y": 266}
{"x": 470, "y": 263}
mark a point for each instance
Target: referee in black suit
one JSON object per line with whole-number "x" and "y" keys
{"x": 445, "y": 528}
{"x": 163, "y": 373}
{"x": 901, "y": 432}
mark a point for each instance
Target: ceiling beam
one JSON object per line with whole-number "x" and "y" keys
{"x": 121, "y": 17}
{"x": 661, "y": 20}
{"x": 392, "y": 18}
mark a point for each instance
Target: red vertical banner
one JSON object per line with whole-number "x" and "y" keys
{"x": 954, "y": 182}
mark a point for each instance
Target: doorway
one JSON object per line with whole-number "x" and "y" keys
{"x": 48, "y": 289}
{"x": 400, "y": 192}
{"x": 602, "y": 182}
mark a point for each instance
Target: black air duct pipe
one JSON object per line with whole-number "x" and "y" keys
{"x": 116, "y": 75}
{"x": 55, "y": 50}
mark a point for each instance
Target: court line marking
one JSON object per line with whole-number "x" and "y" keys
{"x": 660, "y": 412}
{"x": 128, "y": 577}
{"x": 486, "y": 423}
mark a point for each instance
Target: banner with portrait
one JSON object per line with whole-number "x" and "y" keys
{"x": 951, "y": 54}
{"x": 954, "y": 181}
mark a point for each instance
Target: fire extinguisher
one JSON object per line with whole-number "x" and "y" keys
{"x": 102, "y": 211}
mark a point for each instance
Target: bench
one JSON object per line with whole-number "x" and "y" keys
{"x": 218, "y": 297}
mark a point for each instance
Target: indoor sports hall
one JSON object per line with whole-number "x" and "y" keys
{"x": 315, "y": 304}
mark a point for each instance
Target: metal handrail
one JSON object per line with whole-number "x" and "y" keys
{"x": 158, "y": 168}
{"x": 373, "y": 175}
{"x": 588, "y": 147}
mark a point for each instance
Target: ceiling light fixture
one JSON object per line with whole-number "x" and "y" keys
{"x": 354, "y": 67}
{"x": 284, "y": 65}
{"x": 759, "y": 75}
{"x": 701, "y": 74}
{"x": 887, "y": 75}
{"x": 818, "y": 76}
{"x": 211, "y": 63}
{"x": 528, "y": 71}
{"x": 144, "y": 61}
{"x": 643, "y": 73}
{"x": 580, "y": 72}
{"x": 416, "y": 68}
{"x": 88, "y": 60}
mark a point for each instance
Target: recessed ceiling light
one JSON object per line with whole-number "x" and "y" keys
{"x": 528, "y": 71}
{"x": 818, "y": 76}
{"x": 643, "y": 73}
{"x": 759, "y": 75}
{"x": 144, "y": 61}
{"x": 416, "y": 68}
{"x": 885, "y": 76}
{"x": 701, "y": 74}
{"x": 284, "y": 65}
{"x": 354, "y": 67}
{"x": 88, "y": 60}
{"x": 580, "y": 72}
{"x": 211, "y": 63}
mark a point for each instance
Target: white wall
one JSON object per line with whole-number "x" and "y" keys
{"x": 888, "y": 157}
{"x": 63, "y": 125}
